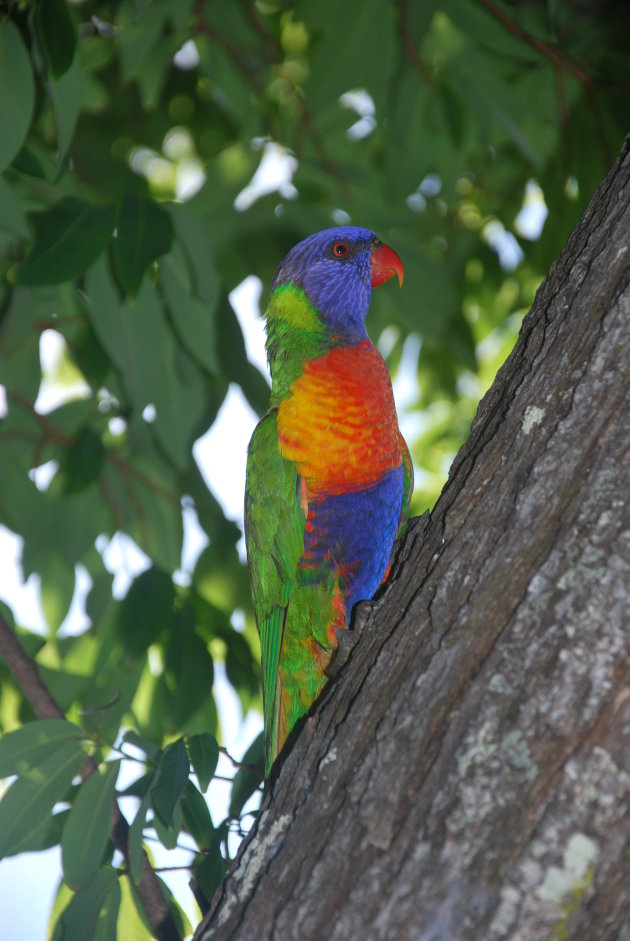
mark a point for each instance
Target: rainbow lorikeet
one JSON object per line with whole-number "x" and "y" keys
{"x": 329, "y": 475}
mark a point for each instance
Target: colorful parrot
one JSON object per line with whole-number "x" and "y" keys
{"x": 329, "y": 475}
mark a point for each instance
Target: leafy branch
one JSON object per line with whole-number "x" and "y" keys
{"x": 549, "y": 50}
{"x": 125, "y": 470}
{"x": 275, "y": 59}
{"x": 26, "y": 674}
{"x": 562, "y": 62}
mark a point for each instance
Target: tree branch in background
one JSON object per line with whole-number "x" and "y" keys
{"x": 562, "y": 63}
{"x": 408, "y": 47}
{"x": 547, "y": 49}
{"x": 26, "y": 674}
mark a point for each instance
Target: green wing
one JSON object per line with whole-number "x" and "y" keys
{"x": 407, "y": 482}
{"x": 274, "y": 535}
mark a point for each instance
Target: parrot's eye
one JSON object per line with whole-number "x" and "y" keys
{"x": 340, "y": 249}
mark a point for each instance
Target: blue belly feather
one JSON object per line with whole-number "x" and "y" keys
{"x": 353, "y": 533}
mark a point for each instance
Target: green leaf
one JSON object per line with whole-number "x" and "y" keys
{"x": 107, "y": 924}
{"x": 192, "y": 235}
{"x": 79, "y": 919}
{"x": 87, "y": 831}
{"x": 144, "y": 232}
{"x": 192, "y": 318}
{"x": 57, "y": 34}
{"x": 48, "y": 834}
{"x": 136, "y": 833}
{"x": 90, "y": 357}
{"x": 68, "y": 238}
{"x": 340, "y": 60}
{"x": 27, "y": 747}
{"x": 17, "y": 92}
{"x": 150, "y": 749}
{"x": 159, "y": 529}
{"x": 137, "y": 38}
{"x": 204, "y": 755}
{"x": 57, "y": 584}
{"x": 12, "y": 213}
{"x": 146, "y": 611}
{"x": 171, "y": 778}
{"x": 62, "y": 899}
{"x": 210, "y": 872}
{"x": 140, "y": 342}
{"x": 140, "y": 786}
{"x": 233, "y": 359}
{"x": 196, "y": 816}
{"x": 82, "y": 460}
{"x": 187, "y": 664}
{"x": 242, "y": 669}
{"x": 168, "y": 836}
{"x": 28, "y": 802}
{"x": 182, "y": 923}
{"x": 66, "y": 95}
{"x": 20, "y": 367}
{"x": 246, "y": 782}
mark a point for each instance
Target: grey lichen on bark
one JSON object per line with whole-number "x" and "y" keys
{"x": 467, "y": 776}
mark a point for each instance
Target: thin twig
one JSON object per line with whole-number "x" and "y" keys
{"x": 407, "y": 44}
{"x": 547, "y": 49}
{"x": 239, "y": 764}
{"x": 30, "y": 682}
{"x": 260, "y": 27}
{"x": 54, "y": 323}
{"x": 562, "y": 62}
{"x": 50, "y": 430}
{"x": 112, "y": 502}
{"x": 126, "y": 469}
{"x": 27, "y": 675}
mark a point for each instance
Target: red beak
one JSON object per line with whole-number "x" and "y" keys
{"x": 385, "y": 264}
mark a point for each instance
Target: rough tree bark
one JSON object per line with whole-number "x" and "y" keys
{"x": 467, "y": 776}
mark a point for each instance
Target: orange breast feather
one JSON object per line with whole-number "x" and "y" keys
{"x": 339, "y": 424}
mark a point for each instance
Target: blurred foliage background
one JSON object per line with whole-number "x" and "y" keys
{"x": 469, "y": 134}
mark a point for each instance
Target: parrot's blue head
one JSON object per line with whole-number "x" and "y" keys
{"x": 337, "y": 269}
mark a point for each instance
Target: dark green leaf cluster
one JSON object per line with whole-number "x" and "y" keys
{"x": 129, "y": 135}
{"x": 59, "y": 795}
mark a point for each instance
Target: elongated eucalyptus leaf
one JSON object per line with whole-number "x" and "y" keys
{"x": 87, "y": 831}
{"x": 136, "y": 831}
{"x": 171, "y": 779}
{"x": 27, "y": 747}
{"x": 204, "y": 754}
{"x": 80, "y": 918}
{"x": 144, "y": 232}
{"x": 66, "y": 94}
{"x": 17, "y": 92}
{"x": 146, "y": 612}
{"x": 27, "y": 804}
{"x": 196, "y": 816}
{"x": 57, "y": 34}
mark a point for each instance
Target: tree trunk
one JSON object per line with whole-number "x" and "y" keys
{"x": 467, "y": 776}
